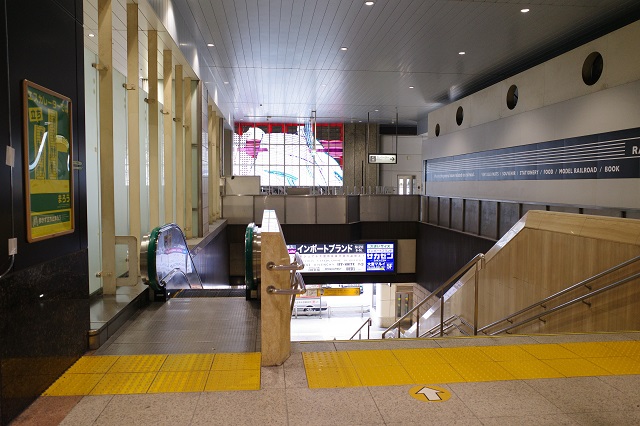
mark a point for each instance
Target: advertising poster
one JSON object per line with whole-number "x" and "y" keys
{"x": 48, "y": 162}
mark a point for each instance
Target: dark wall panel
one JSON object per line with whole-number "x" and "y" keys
{"x": 212, "y": 260}
{"x": 441, "y": 252}
{"x": 44, "y": 300}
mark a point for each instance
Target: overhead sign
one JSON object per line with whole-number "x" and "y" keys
{"x": 346, "y": 258}
{"x": 348, "y": 291}
{"x": 383, "y": 158}
{"x": 429, "y": 393}
{"x": 612, "y": 155}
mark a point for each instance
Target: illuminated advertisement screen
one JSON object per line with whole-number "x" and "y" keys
{"x": 377, "y": 257}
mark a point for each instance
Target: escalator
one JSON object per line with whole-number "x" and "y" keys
{"x": 166, "y": 265}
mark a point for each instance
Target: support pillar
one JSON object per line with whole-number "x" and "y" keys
{"x": 133, "y": 125}
{"x": 154, "y": 159}
{"x": 167, "y": 107}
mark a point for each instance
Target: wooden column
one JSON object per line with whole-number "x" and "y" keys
{"x": 211, "y": 116}
{"x": 179, "y": 149}
{"x": 133, "y": 129}
{"x": 167, "y": 67}
{"x": 105, "y": 87}
{"x": 214, "y": 169}
{"x": 275, "y": 318}
{"x": 188, "y": 166}
{"x": 154, "y": 159}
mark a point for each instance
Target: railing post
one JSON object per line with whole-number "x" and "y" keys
{"x": 418, "y": 322}
{"x": 442, "y": 313}
{"x": 475, "y": 297}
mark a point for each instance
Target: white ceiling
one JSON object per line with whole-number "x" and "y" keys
{"x": 282, "y": 59}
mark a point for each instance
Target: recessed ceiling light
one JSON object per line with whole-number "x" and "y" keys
{"x": 376, "y": 110}
{"x": 411, "y": 87}
{"x": 92, "y": 35}
{"x": 210, "y": 44}
{"x": 343, "y": 48}
{"x": 524, "y": 10}
{"x": 226, "y": 82}
{"x": 462, "y": 53}
{"x": 369, "y": 3}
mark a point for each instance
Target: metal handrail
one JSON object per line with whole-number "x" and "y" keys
{"x": 296, "y": 265}
{"x": 368, "y": 321}
{"x": 569, "y": 303}
{"x": 297, "y": 286}
{"x": 560, "y": 293}
{"x": 478, "y": 258}
{"x": 164, "y": 280}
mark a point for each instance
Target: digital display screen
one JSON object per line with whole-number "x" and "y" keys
{"x": 346, "y": 258}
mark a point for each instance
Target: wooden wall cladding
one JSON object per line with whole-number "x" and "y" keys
{"x": 547, "y": 252}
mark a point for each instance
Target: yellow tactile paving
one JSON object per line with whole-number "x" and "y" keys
{"x": 330, "y": 377}
{"x": 629, "y": 349}
{"x": 618, "y": 365}
{"x": 188, "y": 362}
{"x": 371, "y": 358}
{"x": 233, "y": 380}
{"x": 317, "y": 360}
{"x": 549, "y": 351}
{"x": 93, "y": 364}
{"x": 435, "y": 373}
{"x": 418, "y": 356}
{"x": 73, "y": 384}
{"x": 464, "y": 354}
{"x": 243, "y": 361}
{"x": 530, "y": 369}
{"x": 138, "y": 364}
{"x": 388, "y": 375}
{"x": 179, "y": 381}
{"x": 576, "y": 367}
{"x": 592, "y": 349}
{"x": 123, "y": 383}
{"x": 506, "y": 353}
{"x": 482, "y": 371}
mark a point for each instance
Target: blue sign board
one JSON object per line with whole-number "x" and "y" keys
{"x": 612, "y": 155}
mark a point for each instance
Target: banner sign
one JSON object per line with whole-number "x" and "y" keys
{"x": 612, "y": 155}
{"x": 341, "y": 258}
{"x": 47, "y": 162}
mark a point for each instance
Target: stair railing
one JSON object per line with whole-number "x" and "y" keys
{"x": 544, "y": 302}
{"x": 359, "y": 330}
{"x": 477, "y": 262}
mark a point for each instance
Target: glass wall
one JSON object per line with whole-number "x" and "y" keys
{"x": 289, "y": 155}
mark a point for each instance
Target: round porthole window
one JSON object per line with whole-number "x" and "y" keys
{"x": 592, "y": 68}
{"x": 512, "y": 97}
{"x": 459, "y": 115}
{"x": 437, "y": 129}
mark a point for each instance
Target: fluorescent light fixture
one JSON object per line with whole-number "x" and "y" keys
{"x": 411, "y": 87}
{"x": 343, "y": 48}
{"x": 376, "y": 110}
{"x": 524, "y": 10}
{"x": 369, "y": 3}
{"x": 210, "y": 44}
{"x": 462, "y": 53}
{"x": 92, "y": 35}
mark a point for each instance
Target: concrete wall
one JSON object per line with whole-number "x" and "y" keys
{"x": 554, "y": 103}
{"x": 409, "y": 153}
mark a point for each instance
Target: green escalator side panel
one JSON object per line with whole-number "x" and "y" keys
{"x": 152, "y": 272}
{"x": 248, "y": 258}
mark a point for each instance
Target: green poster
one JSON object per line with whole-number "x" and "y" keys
{"x": 48, "y": 162}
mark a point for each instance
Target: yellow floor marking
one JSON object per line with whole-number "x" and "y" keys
{"x": 93, "y": 364}
{"x": 138, "y": 364}
{"x": 225, "y": 380}
{"x": 530, "y": 369}
{"x": 618, "y": 365}
{"x": 576, "y": 367}
{"x": 373, "y": 358}
{"x": 418, "y": 356}
{"x": 388, "y": 375}
{"x": 436, "y": 373}
{"x": 482, "y": 371}
{"x": 73, "y": 384}
{"x": 507, "y": 353}
{"x": 236, "y": 361}
{"x": 464, "y": 354}
{"x": 630, "y": 349}
{"x": 188, "y": 362}
{"x": 123, "y": 383}
{"x": 549, "y": 351}
{"x": 330, "y": 377}
{"x": 591, "y": 349}
{"x": 326, "y": 360}
{"x": 179, "y": 381}
{"x": 429, "y": 393}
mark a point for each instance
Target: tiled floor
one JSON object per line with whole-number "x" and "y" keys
{"x": 286, "y": 398}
